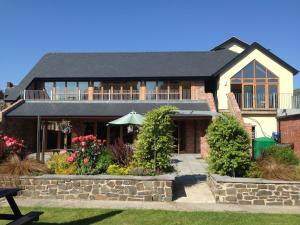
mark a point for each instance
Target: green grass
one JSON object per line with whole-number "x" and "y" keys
{"x": 53, "y": 216}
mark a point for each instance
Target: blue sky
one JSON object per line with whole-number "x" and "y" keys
{"x": 31, "y": 28}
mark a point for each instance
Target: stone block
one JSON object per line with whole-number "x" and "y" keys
{"x": 83, "y": 196}
{"x": 244, "y": 202}
{"x": 258, "y": 202}
{"x": 231, "y": 191}
{"x": 264, "y": 193}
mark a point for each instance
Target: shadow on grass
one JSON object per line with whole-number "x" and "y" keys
{"x": 85, "y": 221}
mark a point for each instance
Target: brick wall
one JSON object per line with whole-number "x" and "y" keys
{"x": 196, "y": 129}
{"x": 289, "y": 129}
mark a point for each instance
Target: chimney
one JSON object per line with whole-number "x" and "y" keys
{"x": 9, "y": 85}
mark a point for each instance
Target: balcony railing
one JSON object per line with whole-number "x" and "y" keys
{"x": 126, "y": 95}
{"x": 249, "y": 101}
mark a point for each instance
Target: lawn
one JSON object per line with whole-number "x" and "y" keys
{"x": 54, "y": 216}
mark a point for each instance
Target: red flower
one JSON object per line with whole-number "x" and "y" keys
{"x": 86, "y": 161}
{"x": 71, "y": 159}
{"x": 75, "y": 140}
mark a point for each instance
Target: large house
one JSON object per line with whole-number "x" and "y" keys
{"x": 91, "y": 89}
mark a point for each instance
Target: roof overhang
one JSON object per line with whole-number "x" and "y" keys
{"x": 49, "y": 109}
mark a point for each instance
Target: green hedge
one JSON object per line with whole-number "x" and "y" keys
{"x": 229, "y": 147}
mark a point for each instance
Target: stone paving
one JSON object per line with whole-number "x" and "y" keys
{"x": 190, "y": 183}
{"x": 173, "y": 206}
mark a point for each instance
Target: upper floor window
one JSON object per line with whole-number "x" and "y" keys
{"x": 255, "y": 86}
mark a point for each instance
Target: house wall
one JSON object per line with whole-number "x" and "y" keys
{"x": 289, "y": 128}
{"x": 264, "y": 125}
{"x": 235, "y": 48}
{"x": 285, "y": 76}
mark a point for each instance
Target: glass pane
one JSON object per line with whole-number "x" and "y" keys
{"x": 116, "y": 91}
{"x": 162, "y": 85}
{"x": 60, "y": 86}
{"x": 136, "y": 85}
{"x": 270, "y": 74}
{"x": 248, "y": 71}
{"x": 236, "y": 81}
{"x": 260, "y": 71}
{"x": 49, "y": 87}
{"x": 71, "y": 86}
{"x": 273, "y": 80}
{"x": 97, "y": 86}
{"x": 83, "y": 87}
{"x": 248, "y": 80}
{"x": 126, "y": 86}
{"x": 260, "y": 96}
{"x": 174, "y": 90}
{"x": 273, "y": 96}
{"x": 151, "y": 90}
{"x": 248, "y": 96}
{"x": 186, "y": 90}
{"x": 238, "y": 75}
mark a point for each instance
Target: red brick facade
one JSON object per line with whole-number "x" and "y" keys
{"x": 289, "y": 128}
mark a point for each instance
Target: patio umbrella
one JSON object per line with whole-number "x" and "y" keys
{"x": 131, "y": 118}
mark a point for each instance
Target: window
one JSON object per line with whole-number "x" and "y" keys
{"x": 151, "y": 90}
{"x": 49, "y": 88}
{"x": 255, "y": 87}
{"x": 83, "y": 88}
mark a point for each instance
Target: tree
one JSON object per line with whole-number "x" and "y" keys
{"x": 156, "y": 142}
{"x": 229, "y": 147}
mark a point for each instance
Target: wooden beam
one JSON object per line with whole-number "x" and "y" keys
{"x": 44, "y": 140}
{"x": 38, "y": 136}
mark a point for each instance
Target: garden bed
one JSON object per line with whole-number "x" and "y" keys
{"x": 93, "y": 187}
{"x": 254, "y": 191}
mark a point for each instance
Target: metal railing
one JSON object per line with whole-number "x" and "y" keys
{"x": 105, "y": 95}
{"x": 272, "y": 101}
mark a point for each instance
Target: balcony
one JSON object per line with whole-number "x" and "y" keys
{"x": 124, "y": 95}
{"x": 249, "y": 101}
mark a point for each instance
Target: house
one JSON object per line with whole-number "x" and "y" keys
{"x": 90, "y": 89}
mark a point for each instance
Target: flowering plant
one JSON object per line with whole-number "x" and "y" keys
{"x": 11, "y": 145}
{"x": 88, "y": 154}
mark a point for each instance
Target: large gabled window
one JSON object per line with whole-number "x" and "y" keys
{"x": 255, "y": 86}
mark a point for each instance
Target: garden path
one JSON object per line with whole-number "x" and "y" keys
{"x": 190, "y": 183}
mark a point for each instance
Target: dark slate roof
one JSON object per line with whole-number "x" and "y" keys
{"x": 229, "y": 41}
{"x": 96, "y": 109}
{"x": 125, "y": 65}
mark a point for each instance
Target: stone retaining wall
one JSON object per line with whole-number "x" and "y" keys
{"x": 252, "y": 191}
{"x": 98, "y": 187}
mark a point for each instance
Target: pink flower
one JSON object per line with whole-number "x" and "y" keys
{"x": 71, "y": 159}
{"x": 83, "y": 143}
{"x": 5, "y": 138}
{"x": 83, "y": 149}
{"x": 75, "y": 140}
{"x": 86, "y": 161}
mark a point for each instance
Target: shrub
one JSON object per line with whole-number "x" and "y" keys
{"x": 122, "y": 153}
{"x": 284, "y": 154}
{"x": 12, "y": 146}
{"x": 229, "y": 147}
{"x": 254, "y": 171}
{"x": 274, "y": 169}
{"x": 104, "y": 161}
{"x": 59, "y": 164}
{"x": 88, "y": 154}
{"x": 16, "y": 166}
{"x": 155, "y": 142}
{"x": 117, "y": 170}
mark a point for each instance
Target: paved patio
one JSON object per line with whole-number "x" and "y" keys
{"x": 173, "y": 206}
{"x": 190, "y": 183}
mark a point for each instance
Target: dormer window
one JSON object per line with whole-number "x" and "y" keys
{"x": 255, "y": 87}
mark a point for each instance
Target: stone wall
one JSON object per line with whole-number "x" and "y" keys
{"x": 253, "y": 191}
{"x": 98, "y": 187}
